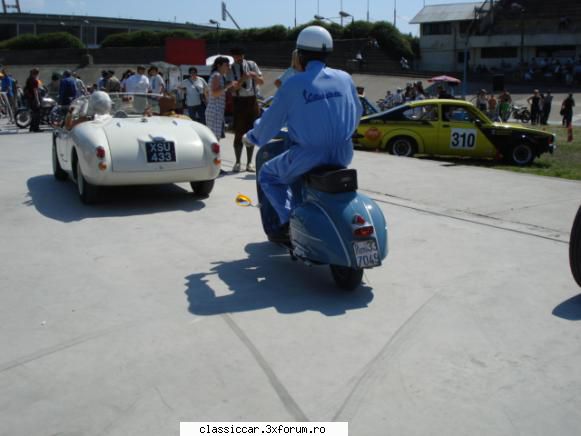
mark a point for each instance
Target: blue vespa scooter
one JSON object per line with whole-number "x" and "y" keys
{"x": 330, "y": 223}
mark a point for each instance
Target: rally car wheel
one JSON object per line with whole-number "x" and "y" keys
{"x": 402, "y": 146}
{"x": 522, "y": 155}
{"x": 346, "y": 278}
{"x": 202, "y": 188}
{"x": 575, "y": 248}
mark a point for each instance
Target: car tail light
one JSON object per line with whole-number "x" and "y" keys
{"x": 216, "y": 148}
{"x": 364, "y": 231}
{"x": 217, "y": 161}
{"x": 100, "y": 151}
{"x": 102, "y": 166}
{"x": 359, "y": 220}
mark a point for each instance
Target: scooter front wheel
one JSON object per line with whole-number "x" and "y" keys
{"x": 346, "y": 278}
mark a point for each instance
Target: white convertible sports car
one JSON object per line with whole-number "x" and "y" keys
{"x": 130, "y": 143}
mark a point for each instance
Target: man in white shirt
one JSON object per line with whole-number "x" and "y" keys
{"x": 196, "y": 90}
{"x": 156, "y": 82}
{"x": 137, "y": 83}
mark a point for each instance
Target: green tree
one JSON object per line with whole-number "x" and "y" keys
{"x": 41, "y": 42}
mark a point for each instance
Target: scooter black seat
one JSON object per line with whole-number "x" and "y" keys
{"x": 332, "y": 179}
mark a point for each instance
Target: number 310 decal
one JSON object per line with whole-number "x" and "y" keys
{"x": 463, "y": 138}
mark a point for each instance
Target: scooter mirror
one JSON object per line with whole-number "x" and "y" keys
{"x": 243, "y": 200}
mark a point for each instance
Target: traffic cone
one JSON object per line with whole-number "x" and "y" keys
{"x": 570, "y": 133}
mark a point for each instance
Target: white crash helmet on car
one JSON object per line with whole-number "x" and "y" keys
{"x": 100, "y": 103}
{"x": 315, "y": 38}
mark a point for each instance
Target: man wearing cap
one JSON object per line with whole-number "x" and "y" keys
{"x": 321, "y": 109}
{"x": 248, "y": 77}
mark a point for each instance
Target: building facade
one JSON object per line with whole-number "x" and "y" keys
{"x": 498, "y": 34}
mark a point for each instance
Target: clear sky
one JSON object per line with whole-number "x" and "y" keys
{"x": 248, "y": 13}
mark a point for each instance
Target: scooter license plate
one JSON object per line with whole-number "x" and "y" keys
{"x": 366, "y": 253}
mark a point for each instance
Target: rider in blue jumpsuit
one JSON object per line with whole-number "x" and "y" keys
{"x": 321, "y": 109}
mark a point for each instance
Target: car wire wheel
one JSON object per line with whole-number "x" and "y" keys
{"x": 57, "y": 171}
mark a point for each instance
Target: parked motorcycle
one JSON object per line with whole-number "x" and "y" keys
{"x": 521, "y": 113}
{"x": 51, "y": 114}
{"x": 331, "y": 223}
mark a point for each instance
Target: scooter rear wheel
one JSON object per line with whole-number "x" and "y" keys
{"x": 575, "y": 248}
{"x": 346, "y": 278}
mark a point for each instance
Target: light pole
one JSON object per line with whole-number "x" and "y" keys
{"x": 321, "y": 18}
{"x": 217, "y": 33}
{"x": 368, "y": 11}
{"x": 83, "y": 31}
{"x": 344, "y": 14}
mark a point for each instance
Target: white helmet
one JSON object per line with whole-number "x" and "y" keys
{"x": 315, "y": 38}
{"x": 100, "y": 103}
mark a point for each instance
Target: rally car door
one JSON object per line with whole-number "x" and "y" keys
{"x": 459, "y": 133}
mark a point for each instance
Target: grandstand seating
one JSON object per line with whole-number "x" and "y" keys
{"x": 544, "y": 16}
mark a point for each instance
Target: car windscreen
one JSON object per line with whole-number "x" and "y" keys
{"x": 135, "y": 104}
{"x": 122, "y": 105}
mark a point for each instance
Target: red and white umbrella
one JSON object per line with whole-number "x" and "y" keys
{"x": 446, "y": 79}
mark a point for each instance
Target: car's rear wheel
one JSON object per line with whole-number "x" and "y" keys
{"x": 575, "y": 248}
{"x": 203, "y": 187}
{"x": 402, "y": 146}
{"x": 522, "y": 155}
{"x": 57, "y": 170}
{"x": 88, "y": 193}
{"x": 345, "y": 277}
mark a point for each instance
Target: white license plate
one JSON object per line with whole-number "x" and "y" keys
{"x": 366, "y": 253}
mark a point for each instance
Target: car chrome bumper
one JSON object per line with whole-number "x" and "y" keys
{"x": 112, "y": 178}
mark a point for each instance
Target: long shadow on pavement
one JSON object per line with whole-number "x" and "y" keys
{"x": 570, "y": 309}
{"x": 269, "y": 278}
{"x": 60, "y": 201}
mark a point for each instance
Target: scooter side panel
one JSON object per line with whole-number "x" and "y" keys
{"x": 316, "y": 237}
{"x": 343, "y": 208}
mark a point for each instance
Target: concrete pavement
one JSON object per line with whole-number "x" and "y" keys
{"x": 154, "y": 307}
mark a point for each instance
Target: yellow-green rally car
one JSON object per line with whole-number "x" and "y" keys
{"x": 450, "y": 128}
